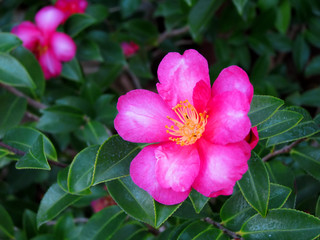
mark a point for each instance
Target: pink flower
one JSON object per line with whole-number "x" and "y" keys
{"x": 101, "y": 203}
{"x": 69, "y": 7}
{"x": 130, "y": 48}
{"x": 50, "y": 47}
{"x": 253, "y": 137}
{"x": 199, "y": 131}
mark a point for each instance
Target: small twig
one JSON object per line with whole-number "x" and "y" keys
{"x": 222, "y": 228}
{"x": 172, "y": 33}
{"x": 30, "y": 101}
{"x": 76, "y": 220}
{"x": 286, "y": 149}
{"x": 133, "y": 77}
{"x": 21, "y": 153}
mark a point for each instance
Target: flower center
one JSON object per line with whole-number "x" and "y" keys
{"x": 190, "y": 126}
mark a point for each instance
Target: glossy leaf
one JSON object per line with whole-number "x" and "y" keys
{"x": 128, "y": 7}
{"x": 77, "y": 23}
{"x": 103, "y": 224}
{"x": 281, "y": 224}
{"x": 278, "y": 195}
{"x": 301, "y": 52}
{"x": 212, "y": 234}
{"x": 94, "y": 133}
{"x": 71, "y": 70}
{"x": 255, "y": 185}
{"x": 81, "y": 170}
{"x": 6, "y": 224}
{"x": 111, "y": 164}
{"x": 198, "y": 200}
{"x": 128, "y": 230}
{"x": 283, "y": 16}
{"x": 8, "y": 42}
{"x": 313, "y": 67}
{"x": 54, "y": 201}
{"x": 35, "y": 157}
{"x": 193, "y": 230}
{"x": 23, "y": 138}
{"x": 138, "y": 203}
{"x": 280, "y": 122}
{"x": 65, "y": 227}
{"x": 143, "y": 30}
{"x": 317, "y": 212}
{"x": 262, "y": 108}
{"x": 13, "y": 73}
{"x": 12, "y": 109}
{"x": 29, "y": 223}
{"x": 240, "y": 4}
{"x": 310, "y": 98}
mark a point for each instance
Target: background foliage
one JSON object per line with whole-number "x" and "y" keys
{"x": 59, "y": 151}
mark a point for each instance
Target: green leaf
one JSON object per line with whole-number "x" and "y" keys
{"x": 103, "y": 224}
{"x": 128, "y": 230}
{"x": 313, "y": 67}
{"x": 31, "y": 64}
{"x": 193, "y": 230}
{"x": 23, "y": 138}
{"x": 94, "y": 133}
{"x": 143, "y": 30}
{"x": 111, "y": 164}
{"x": 60, "y": 119}
{"x": 71, "y": 70}
{"x": 6, "y": 224}
{"x": 35, "y": 157}
{"x": 77, "y": 23}
{"x": 65, "y": 228}
{"x": 308, "y": 158}
{"x": 301, "y": 52}
{"x": 13, "y": 73}
{"x": 8, "y": 42}
{"x": 240, "y": 4}
{"x": 198, "y": 200}
{"x": 262, "y": 108}
{"x": 105, "y": 109}
{"x": 317, "y": 212}
{"x": 29, "y": 223}
{"x": 98, "y": 11}
{"x": 212, "y": 234}
{"x": 310, "y": 98}
{"x": 81, "y": 170}
{"x": 255, "y": 185}
{"x": 280, "y": 122}
{"x": 54, "y": 201}
{"x": 305, "y": 128}
{"x": 200, "y": 15}
{"x": 281, "y": 224}
{"x": 12, "y": 109}
{"x": 128, "y": 7}
{"x": 283, "y": 16}
{"x": 138, "y": 203}
{"x": 278, "y": 195}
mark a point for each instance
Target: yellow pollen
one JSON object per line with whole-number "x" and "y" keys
{"x": 190, "y": 126}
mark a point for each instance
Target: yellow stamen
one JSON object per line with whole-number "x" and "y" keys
{"x": 191, "y": 124}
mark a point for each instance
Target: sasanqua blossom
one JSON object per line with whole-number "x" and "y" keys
{"x": 129, "y": 48}
{"x": 199, "y": 131}
{"x": 69, "y": 7}
{"x": 49, "y": 46}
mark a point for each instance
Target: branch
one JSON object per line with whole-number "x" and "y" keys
{"x": 172, "y": 33}
{"x": 21, "y": 153}
{"x": 133, "y": 77}
{"x": 286, "y": 149}
{"x": 223, "y": 229}
{"x": 30, "y": 101}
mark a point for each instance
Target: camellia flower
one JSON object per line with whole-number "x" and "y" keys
{"x": 69, "y": 7}
{"x": 253, "y": 137}
{"x": 129, "y": 48}
{"x": 101, "y": 203}
{"x": 199, "y": 132}
{"x": 50, "y": 47}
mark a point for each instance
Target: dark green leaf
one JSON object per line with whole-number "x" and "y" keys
{"x": 193, "y": 230}
{"x": 54, "y": 201}
{"x": 283, "y": 16}
{"x": 71, "y": 70}
{"x": 143, "y": 30}
{"x": 103, "y": 224}
{"x": 255, "y": 185}
{"x": 29, "y": 223}
{"x": 311, "y": 98}
{"x": 128, "y": 7}
{"x": 77, "y": 23}
{"x": 97, "y": 11}
{"x": 313, "y": 67}
{"x": 8, "y": 42}
{"x": 239, "y": 4}
{"x": 262, "y": 108}
{"x": 128, "y": 230}
{"x": 318, "y": 208}
{"x": 35, "y": 157}
{"x": 200, "y": 15}
{"x": 23, "y": 138}
{"x": 301, "y": 52}
{"x": 65, "y": 228}
{"x": 105, "y": 109}
{"x": 94, "y": 133}
{"x": 6, "y": 224}
{"x": 280, "y": 122}
{"x": 278, "y": 195}
{"x": 211, "y": 234}
{"x": 13, "y": 73}
{"x": 282, "y": 224}
{"x": 111, "y": 164}
{"x": 198, "y": 200}
{"x": 12, "y": 109}
{"x": 81, "y": 170}
{"x": 260, "y": 68}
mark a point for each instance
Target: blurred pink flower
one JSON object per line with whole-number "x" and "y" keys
{"x": 253, "y": 137}
{"x": 129, "y": 48}
{"x": 69, "y": 7}
{"x": 49, "y": 46}
{"x": 101, "y": 203}
{"x": 199, "y": 131}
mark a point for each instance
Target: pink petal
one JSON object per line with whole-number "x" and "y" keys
{"x": 63, "y": 46}
{"x": 28, "y": 33}
{"x": 233, "y": 78}
{"x": 221, "y": 166}
{"x": 176, "y": 166}
{"x": 69, "y": 7}
{"x": 142, "y": 117}
{"x": 179, "y": 74}
{"x": 253, "y": 137}
{"x": 228, "y": 120}
{"x": 143, "y": 173}
{"x": 129, "y": 49}
{"x": 50, "y": 65}
{"x": 48, "y": 19}
{"x": 201, "y": 96}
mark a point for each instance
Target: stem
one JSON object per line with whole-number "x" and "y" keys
{"x": 172, "y": 33}
{"x": 21, "y": 153}
{"x": 222, "y": 228}
{"x": 285, "y": 149}
{"x": 30, "y": 101}
{"x": 133, "y": 77}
